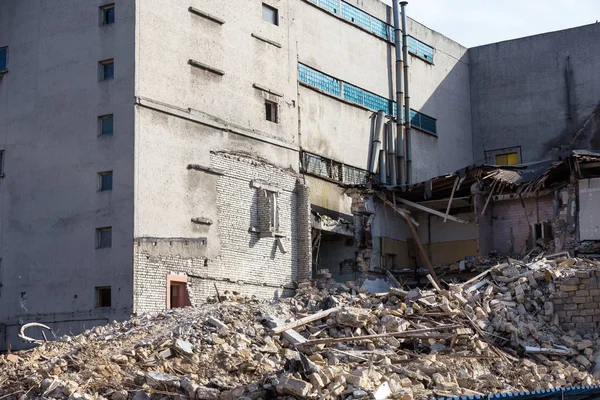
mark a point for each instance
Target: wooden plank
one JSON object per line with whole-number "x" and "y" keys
{"x": 451, "y": 197}
{"x": 542, "y": 350}
{"x": 432, "y": 211}
{"x": 489, "y": 197}
{"x": 413, "y": 333}
{"x": 404, "y": 213}
{"x": 422, "y": 250}
{"x": 305, "y": 320}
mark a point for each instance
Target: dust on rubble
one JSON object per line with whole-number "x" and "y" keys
{"x": 494, "y": 333}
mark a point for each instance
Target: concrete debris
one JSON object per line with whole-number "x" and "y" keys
{"x": 497, "y": 332}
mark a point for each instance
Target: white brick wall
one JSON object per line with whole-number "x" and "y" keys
{"x": 247, "y": 263}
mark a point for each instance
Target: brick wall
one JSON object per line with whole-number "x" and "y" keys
{"x": 576, "y": 302}
{"x": 247, "y": 262}
{"x": 511, "y": 222}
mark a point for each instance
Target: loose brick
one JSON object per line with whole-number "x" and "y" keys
{"x": 584, "y": 292}
{"x": 595, "y": 292}
{"x": 579, "y": 299}
{"x": 578, "y": 319}
{"x": 582, "y": 274}
{"x": 587, "y": 312}
{"x": 571, "y": 306}
{"x": 569, "y": 288}
{"x": 571, "y": 281}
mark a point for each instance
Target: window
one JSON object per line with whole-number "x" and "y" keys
{"x": 103, "y": 296}
{"x": 104, "y": 237}
{"x": 3, "y": 58}
{"x": 507, "y": 159}
{"x": 107, "y": 14}
{"x": 270, "y": 14}
{"x": 1, "y": 163}
{"x": 105, "y": 181}
{"x": 106, "y": 69}
{"x": 105, "y": 124}
{"x": 271, "y": 111}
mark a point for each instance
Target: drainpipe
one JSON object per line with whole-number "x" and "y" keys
{"x": 376, "y": 145}
{"x": 400, "y": 160}
{"x": 383, "y": 165}
{"x": 391, "y": 159}
{"x": 406, "y": 95}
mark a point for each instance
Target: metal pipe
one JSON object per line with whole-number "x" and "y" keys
{"x": 383, "y": 165}
{"x": 391, "y": 144}
{"x": 376, "y": 144}
{"x": 400, "y": 143}
{"x": 568, "y": 76}
{"x": 406, "y": 95}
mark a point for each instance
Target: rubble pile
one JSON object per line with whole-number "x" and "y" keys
{"x": 497, "y": 332}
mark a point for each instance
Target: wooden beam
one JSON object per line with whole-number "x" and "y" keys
{"x": 414, "y": 333}
{"x": 305, "y": 320}
{"x": 422, "y": 250}
{"x": 432, "y": 211}
{"x": 489, "y": 197}
{"x": 451, "y": 197}
{"x": 404, "y": 213}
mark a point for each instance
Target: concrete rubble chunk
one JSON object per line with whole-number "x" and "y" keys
{"x": 293, "y": 386}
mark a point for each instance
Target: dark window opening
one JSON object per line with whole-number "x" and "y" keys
{"x": 107, "y": 14}
{"x": 3, "y": 58}
{"x": 1, "y": 163}
{"x": 104, "y": 237}
{"x": 271, "y": 111}
{"x": 105, "y": 181}
{"x": 103, "y": 296}
{"x": 270, "y": 14}
{"x": 106, "y": 124}
{"x": 178, "y": 295}
{"x": 107, "y": 69}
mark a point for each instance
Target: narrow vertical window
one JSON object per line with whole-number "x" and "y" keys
{"x": 103, "y": 296}
{"x": 105, "y": 125}
{"x": 3, "y": 59}
{"x": 270, "y": 14}
{"x": 107, "y": 14}
{"x": 271, "y": 111}
{"x": 105, "y": 181}
{"x": 104, "y": 237}
{"x": 1, "y": 163}
{"x": 106, "y": 69}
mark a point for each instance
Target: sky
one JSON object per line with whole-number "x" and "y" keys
{"x": 477, "y": 22}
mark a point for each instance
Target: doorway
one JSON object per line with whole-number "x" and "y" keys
{"x": 177, "y": 293}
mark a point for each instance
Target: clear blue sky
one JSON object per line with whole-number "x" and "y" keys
{"x": 476, "y": 22}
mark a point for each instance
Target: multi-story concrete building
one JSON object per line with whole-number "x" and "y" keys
{"x": 154, "y": 152}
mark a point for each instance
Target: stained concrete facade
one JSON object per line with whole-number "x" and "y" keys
{"x": 537, "y": 93}
{"x": 205, "y": 189}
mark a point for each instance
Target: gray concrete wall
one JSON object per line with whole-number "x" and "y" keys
{"x": 49, "y": 103}
{"x": 519, "y": 93}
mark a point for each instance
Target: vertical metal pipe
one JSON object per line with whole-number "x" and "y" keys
{"x": 383, "y": 166}
{"x": 568, "y": 76}
{"x": 406, "y": 95}
{"x": 400, "y": 143}
{"x": 377, "y": 139}
{"x": 391, "y": 160}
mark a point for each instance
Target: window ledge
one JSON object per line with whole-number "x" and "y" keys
{"x": 421, "y": 58}
{"x": 198, "y": 64}
{"x": 423, "y": 131}
{"x": 263, "y": 39}
{"x": 4, "y": 71}
{"x": 206, "y": 15}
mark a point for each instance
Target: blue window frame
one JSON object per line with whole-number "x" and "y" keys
{"x": 106, "y": 123}
{"x": 3, "y": 58}
{"x": 107, "y": 70}
{"x": 105, "y": 181}
{"x": 319, "y": 80}
{"x": 374, "y": 25}
{"x": 367, "y": 99}
{"x": 107, "y": 14}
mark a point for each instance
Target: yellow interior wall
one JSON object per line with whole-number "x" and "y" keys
{"x": 441, "y": 253}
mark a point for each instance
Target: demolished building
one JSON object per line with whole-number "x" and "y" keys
{"x": 204, "y": 147}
